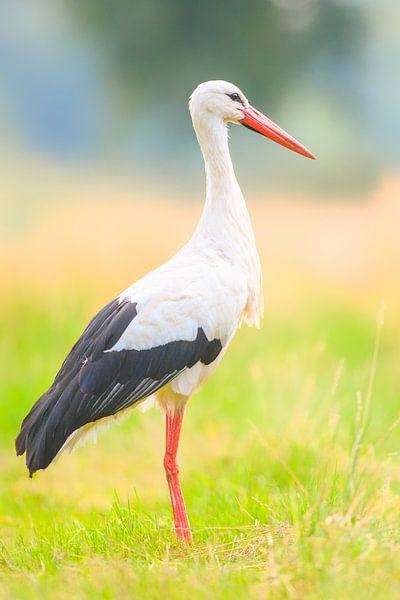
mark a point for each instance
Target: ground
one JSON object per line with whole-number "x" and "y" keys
{"x": 288, "y": 460}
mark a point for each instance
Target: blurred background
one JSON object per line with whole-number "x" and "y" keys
{"x": 101, "y": 179}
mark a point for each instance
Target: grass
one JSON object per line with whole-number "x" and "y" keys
{"x": 288, "y": 463}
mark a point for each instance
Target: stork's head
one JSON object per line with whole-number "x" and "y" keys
{"x": 225, "y": 102}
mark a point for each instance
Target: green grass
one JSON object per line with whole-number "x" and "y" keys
{"x": 288, "y": 464}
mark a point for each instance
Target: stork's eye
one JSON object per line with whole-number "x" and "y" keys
{"x": 235, "y": 97}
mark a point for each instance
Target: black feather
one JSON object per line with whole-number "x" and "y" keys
{"x": 95, "y": 382}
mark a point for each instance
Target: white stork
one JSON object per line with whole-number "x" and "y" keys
{"x": 167, "y": 333}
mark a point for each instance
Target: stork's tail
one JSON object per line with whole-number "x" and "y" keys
{"x": 45, "y": 429}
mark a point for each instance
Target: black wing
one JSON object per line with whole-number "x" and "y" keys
{"x": 95, "y": 382}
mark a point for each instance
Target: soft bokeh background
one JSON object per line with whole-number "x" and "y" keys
{"x": 101, "y": 179}
{"x": 95, "y": 130}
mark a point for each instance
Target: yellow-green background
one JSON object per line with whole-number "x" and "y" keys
{"x": 289, "y": 454}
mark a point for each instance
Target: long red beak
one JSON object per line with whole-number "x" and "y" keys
{"x": 258, "y": 122}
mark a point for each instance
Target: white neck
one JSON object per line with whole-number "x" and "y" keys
{"x": 224, "y": 199}
{"x": 225, "y": 222}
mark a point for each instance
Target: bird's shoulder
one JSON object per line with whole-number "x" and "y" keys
{"x": 191, "y": 287}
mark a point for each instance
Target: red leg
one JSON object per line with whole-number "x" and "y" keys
{"x": 173, "y": 429}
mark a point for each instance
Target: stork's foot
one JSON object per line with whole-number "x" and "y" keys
{"x": 181, "y": 521}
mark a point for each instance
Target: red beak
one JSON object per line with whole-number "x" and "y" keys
{"x": 258, "y": 122}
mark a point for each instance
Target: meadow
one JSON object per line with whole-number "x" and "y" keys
{"x": 289, "y": 455}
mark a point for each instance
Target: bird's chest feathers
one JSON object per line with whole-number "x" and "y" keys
{"x": 225, "y": 235}
{"x": 237, "y": 250}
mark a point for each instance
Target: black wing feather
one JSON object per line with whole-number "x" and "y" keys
{"x": 94, "y": 382}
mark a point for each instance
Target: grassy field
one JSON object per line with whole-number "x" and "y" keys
{"x": 288, "y": 456}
